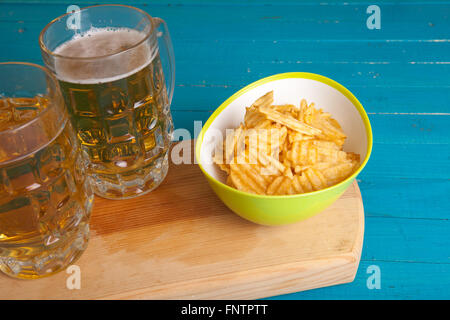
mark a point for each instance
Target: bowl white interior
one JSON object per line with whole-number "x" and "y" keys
{"x": 290, "y": 90}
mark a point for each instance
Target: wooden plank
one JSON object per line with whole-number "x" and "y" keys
{"x": 298, "y": 51}
{"x": 180, "y": 241}
{"x": 409, "y": 161}
{"x": 399, "y": 280}
{"x": 293, "y": 52}
{"x": 407, "y": 240}
{"x": 410, "y": 128}
{"x": 238, "y": 73}
{"x": 415, "y": 198}
{"x": 389, "y": 129}
{"x": 417, "y": 102}
{"x": 429, "y": 69}
{"x": 285, "y": 22}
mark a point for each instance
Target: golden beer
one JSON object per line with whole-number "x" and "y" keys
{"x": 45, "y": 197}
{"x": 113, "y": 85}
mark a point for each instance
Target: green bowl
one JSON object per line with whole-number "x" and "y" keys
{"x": 290, "y": 87}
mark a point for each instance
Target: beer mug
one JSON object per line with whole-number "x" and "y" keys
{"x": 45, "y": 197}
{"x": 110, "y": 62}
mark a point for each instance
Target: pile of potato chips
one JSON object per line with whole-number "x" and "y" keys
{"x": 284, "y": 149}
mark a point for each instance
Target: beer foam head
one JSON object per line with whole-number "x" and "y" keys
{"x": 114, "y": 55}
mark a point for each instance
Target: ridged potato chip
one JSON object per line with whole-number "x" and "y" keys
{"x": 285, "y": 149}
{"x": 313, "y": 151}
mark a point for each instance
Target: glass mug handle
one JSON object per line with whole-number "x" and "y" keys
{"x": 162, "y": 31}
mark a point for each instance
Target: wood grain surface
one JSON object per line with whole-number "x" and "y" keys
{"x": 181, "y": 242}
{"x": 400, "y": 74}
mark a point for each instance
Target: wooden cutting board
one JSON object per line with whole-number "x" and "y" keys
{"x": 181, "y": 242}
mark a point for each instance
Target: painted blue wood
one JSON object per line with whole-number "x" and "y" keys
{"x": 414, "y": 198}
{"x": 399, "y": 280}
{"x": 404, "y": 100}
{"x": 282, "y": 22}
{"x": 401, "y": 74}
{"x": 405, "y": 129}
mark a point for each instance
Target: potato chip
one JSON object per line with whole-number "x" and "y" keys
{"x": 289, "y": 121}
{"x": 229, "y": 182}
{"x": 264, "y": 101}
{"x": 294, "y": 136}
{"x": 249, "y": 178}
{"x": 269, "y": 139}
{"x": 255, "y": 119}
{"x": 316, "y": 178}
{"x": 353, "y": 156}
{"x": 271, "y": 164}
{"x": 280, "y": 185}
{"x": 338, "y": 172}
{"x": 224, "y": 167}
{"x": 313, "y": 151}
{"x": 286, "y": 109}
{"x": 231, "y": 141}
{"x": 284, "y": 149}
{"x": 320, "y": 120}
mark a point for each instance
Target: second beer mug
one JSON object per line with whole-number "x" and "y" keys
{"x": 110, "y": 70}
